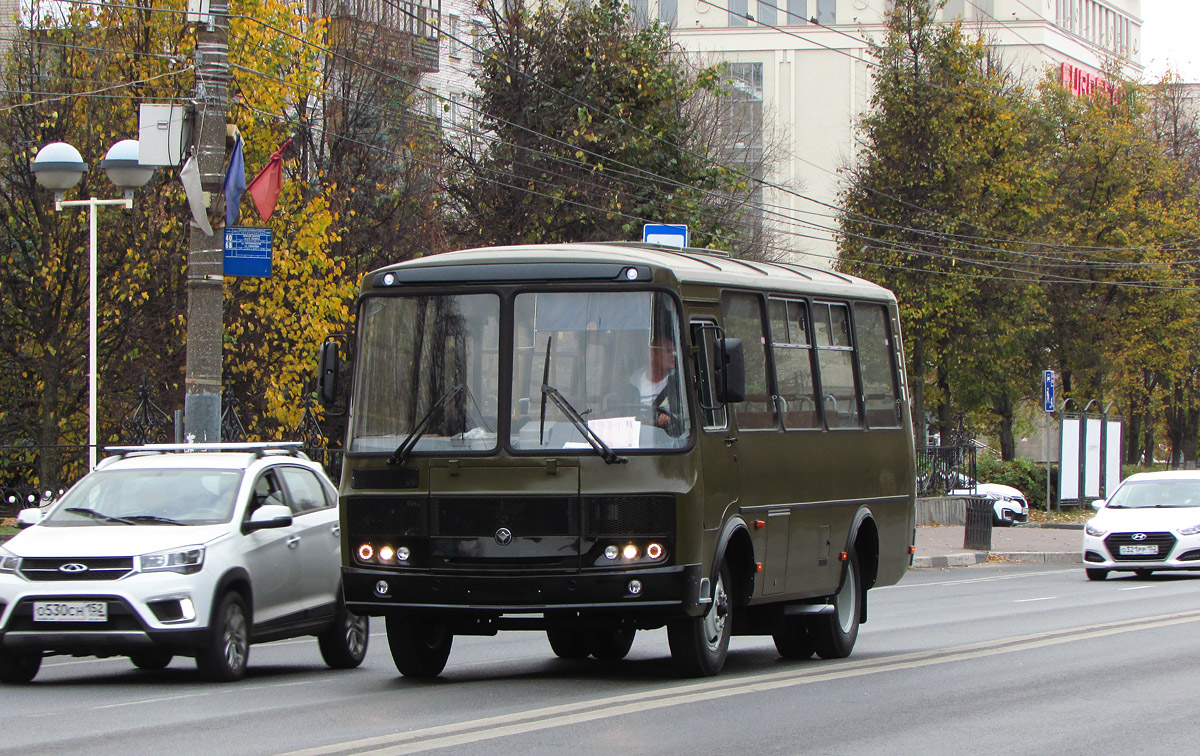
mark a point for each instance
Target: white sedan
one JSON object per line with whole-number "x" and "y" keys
{"x": 1151, "y": 522}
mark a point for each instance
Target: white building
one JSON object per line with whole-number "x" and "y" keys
{"x": 808, "y": 63}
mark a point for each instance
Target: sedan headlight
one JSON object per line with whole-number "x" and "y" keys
{"x": 8, "y": 562}
{"x": 1093, "y": 530}
{"x": 185, "y": 561}
{"x": 1193, "y": 530}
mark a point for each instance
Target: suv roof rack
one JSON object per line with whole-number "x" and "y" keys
{"x": 259, "y": 449}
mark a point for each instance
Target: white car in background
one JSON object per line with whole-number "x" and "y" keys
{"x": 1151, "y": 522}
{"x": 190, "y": 550}
{"x": 1009, "y": 506}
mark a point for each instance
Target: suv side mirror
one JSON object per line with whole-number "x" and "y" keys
{"x": 27, "y": 517}
{"x": 731, "y": 371}
{"x": 268, "y": 516}
{"x": 329, "y": 365}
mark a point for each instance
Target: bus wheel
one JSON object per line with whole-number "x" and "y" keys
{"x": 699, "y": 644}
{"x": 792, "y": 641}
{"x": 612, "y": 645}
{"x": 833, "y": 635}
{"x": 569, "y": 642}
{"x": 420, "y": 647}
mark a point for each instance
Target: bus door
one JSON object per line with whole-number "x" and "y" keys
{"x": 717, "y": 442}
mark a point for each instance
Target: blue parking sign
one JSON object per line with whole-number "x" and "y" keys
{"x": 1048, "y": 390}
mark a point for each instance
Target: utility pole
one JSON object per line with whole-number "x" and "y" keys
{"x": 205, "y": 261}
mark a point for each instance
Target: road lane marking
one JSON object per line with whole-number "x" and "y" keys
{"x": 159, "y": 699}
{"x": 968, "y": 581}
{"x": 1136, "y": 588}
{"x": 518, "y": 723}
{"x": 1040, "y": 598}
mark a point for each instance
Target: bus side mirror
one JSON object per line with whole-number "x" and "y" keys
{"x": 328, "y": 367}
{"x": 731, "y": 371}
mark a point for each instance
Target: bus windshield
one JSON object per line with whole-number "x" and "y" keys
{"x": 429, "y": 377}
{"x": 614, "y": 357}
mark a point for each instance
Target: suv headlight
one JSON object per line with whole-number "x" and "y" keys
{"x": 186, "y": 561}
{"x": 1092, "y": 530}
{"x": 8, "y": 562}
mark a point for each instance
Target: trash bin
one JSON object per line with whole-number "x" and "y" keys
{"x": 978, "y": 533}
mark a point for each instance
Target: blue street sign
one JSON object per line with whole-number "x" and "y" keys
{"x": 1048, "y": 390}
{"x": 667, "y": 234}
{"x": 248, "y": 251}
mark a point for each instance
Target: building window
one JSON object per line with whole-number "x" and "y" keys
{"x": 826, "y": 12}
{"x": 668, "y": 12}
{"x": 797, "y": 13}
{"x": 738, "y": 10}
{"x": 768, "y": 13}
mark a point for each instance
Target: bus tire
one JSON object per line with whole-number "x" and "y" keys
{"x": 420, "y": 647}
{"x": 792, "y": 640}
{"x": 833, "y": 635}
{"x": 569, "y": 642}
{"x": 612, "y": 645}
{"x": 699, "y": 645}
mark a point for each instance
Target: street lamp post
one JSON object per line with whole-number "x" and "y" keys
{"x": 59, "y": 166}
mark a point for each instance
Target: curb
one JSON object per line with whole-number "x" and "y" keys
{"x": 980, "y": 557}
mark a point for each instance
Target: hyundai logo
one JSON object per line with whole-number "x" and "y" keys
{"x": 1139, "y": 536}
{"x": 503, "y": 536}
{"x": 73, "y": 567}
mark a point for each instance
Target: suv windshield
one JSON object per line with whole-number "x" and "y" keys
{"x": 140, "y": 497}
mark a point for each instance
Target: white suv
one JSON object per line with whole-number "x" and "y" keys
{"x": 179, "y": 549}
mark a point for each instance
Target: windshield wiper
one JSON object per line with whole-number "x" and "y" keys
{"x": 406, "y": 446}
{"x": 155, "y": 518}
{"x": 97, "y": 515}
{"x": 572, "y": 414}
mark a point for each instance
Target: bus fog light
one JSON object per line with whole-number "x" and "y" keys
{"x": 402, "y": 554}
{"x": 635, "y": 587}
{"x": 386, "y": 553}
{"x": 366, "y": 552}
{"x": 630, "y": 552}
{"x": 611, "y": 552}
{"x": 654, "y": 551}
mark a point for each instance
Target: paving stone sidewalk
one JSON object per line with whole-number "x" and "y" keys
{"x": 942, "y": 545}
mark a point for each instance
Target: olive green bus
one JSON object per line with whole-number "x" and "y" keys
{"x": 595, "y": 439}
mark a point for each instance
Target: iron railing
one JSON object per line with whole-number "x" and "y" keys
{"x": 941, "y": 469}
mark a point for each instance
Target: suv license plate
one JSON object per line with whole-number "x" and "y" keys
{"x": 1139, "y": 550}
{"x": 70, "y": 611}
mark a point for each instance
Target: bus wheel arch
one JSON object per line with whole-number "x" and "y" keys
{"x": 864, "y": 543}
{"x": 736, "y": 549}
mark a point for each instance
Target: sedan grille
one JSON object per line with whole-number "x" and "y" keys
{"x": 1133, "y": 544}
{"x": 61, "y": 568}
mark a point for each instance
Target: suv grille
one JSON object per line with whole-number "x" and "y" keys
{"x": 52, "y": 569}
{"x": 1164, "y": 541}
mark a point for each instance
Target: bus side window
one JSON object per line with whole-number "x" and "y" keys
{"x": 877, "y": 365}
{"x": 835, "y": 358}
{"x": 742, "y": 314}
{"x": 704, "y": 337}
{"x": 792, "y": 350}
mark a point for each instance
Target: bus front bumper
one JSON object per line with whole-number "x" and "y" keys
{"x": 666, "y": 591}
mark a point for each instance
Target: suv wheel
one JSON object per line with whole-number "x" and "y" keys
{"x": 17, "y": 667}
{"x": 224, "y": 659}
{"x": 344, "y": 644}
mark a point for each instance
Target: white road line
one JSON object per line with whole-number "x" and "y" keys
{"x": 1039, "y": 598}
{"x": 507, "y": 725}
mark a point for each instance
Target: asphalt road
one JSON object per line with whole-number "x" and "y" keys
{"x": 998, "y": 658}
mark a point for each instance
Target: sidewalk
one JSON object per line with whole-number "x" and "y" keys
{"x": 942, "y": 545}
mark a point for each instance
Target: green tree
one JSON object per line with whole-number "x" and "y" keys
{"x": 589, "y": 132}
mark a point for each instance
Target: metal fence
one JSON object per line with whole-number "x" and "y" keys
{"x": 941, "y": 469}
{"x": 33, "y": 475}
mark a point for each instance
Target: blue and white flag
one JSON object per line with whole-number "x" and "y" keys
{"x": 235, "y": 183}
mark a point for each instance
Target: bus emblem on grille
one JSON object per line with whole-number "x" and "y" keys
{"x": 503, "y": 536}
{"x": 73, "y": 567}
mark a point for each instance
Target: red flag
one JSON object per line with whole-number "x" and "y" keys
{"x": 265, "y": 187}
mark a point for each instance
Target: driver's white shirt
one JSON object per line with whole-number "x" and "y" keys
{"x": 649, "y": 389}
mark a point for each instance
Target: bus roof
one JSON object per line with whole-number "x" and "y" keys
{"x": 689, "y": 266}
